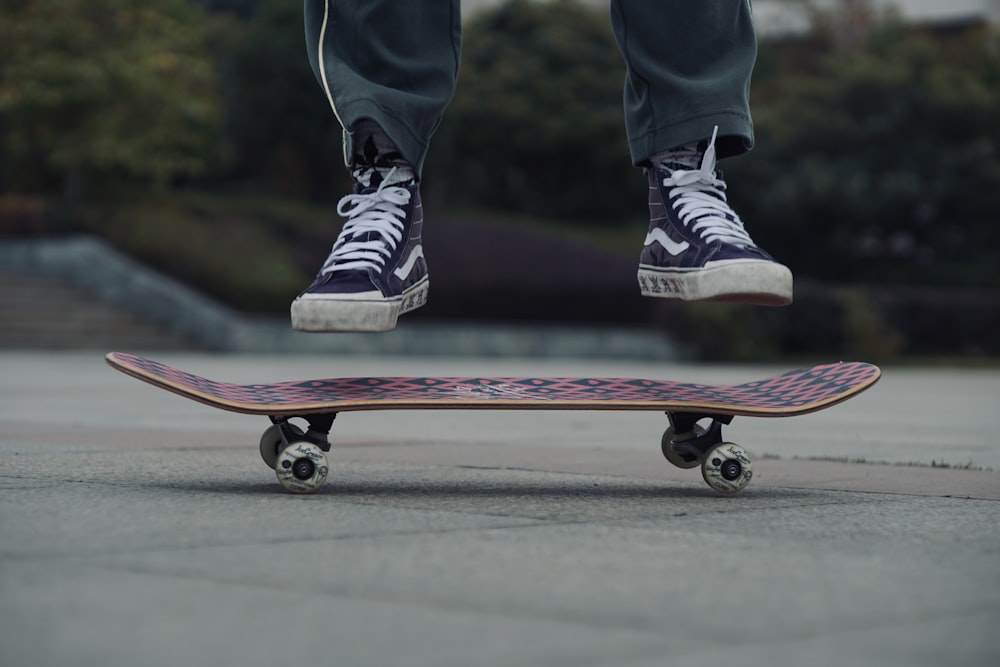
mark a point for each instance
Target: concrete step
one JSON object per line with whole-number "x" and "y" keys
{"x": 46, "y": 312}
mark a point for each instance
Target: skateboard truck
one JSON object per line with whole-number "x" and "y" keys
{"x": 725, "y": 466}
{"x": 688, "y": 438}
{"x": 318, "y": 433}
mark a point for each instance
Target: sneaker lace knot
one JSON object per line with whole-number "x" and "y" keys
{"x": 374, "y": 227}
{"x": 699, "y": 198}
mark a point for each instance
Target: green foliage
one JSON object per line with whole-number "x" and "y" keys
{"x": 729, "y": 331}
{"x": 91, "y": 89}
{"x": 240, "y": 251}
{"x": 849, "y": 322}
{"x": 866, "y": 333}
{"x": 536, "y": 125}
{"x": 883, "y": 164}
{"x": 284, "y": 137}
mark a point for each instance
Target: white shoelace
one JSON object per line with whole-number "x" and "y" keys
{"x": 699, "y": 197}
{"x": 373, "y": 229}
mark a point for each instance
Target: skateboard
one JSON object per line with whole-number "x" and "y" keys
{"x": 696, "y": 412}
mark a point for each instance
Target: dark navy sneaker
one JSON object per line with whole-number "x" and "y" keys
{"x": 697, "y": 248}
{"x": 376, "y": 270}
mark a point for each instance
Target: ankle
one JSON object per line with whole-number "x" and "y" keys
{"x": 376, "y": 159}
{"x": 689, "y": 157}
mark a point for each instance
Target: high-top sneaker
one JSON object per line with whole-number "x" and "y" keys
{"x": 697, "y": 248}
{"x": 376, "y": 270}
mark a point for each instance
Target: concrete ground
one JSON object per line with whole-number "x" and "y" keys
{"x": 138, "y": 528}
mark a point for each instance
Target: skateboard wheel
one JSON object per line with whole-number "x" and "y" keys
{"x": 727, "y": 468}
{"x": 271, "y": 442}
{"x": 301, "y": 467}
{"x": 681, "y": 460}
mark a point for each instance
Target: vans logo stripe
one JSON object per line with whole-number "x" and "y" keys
{"x": 657, "y": 235}
{"x": 404, "y": 270}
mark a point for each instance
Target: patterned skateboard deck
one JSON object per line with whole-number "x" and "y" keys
{"x": 793, "y": 393}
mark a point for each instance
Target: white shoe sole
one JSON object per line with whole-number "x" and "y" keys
{"x": 744, "y": 281}
{"x": 360, "y": 313}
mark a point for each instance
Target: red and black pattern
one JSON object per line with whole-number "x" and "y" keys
{"x": 791, "y": 393}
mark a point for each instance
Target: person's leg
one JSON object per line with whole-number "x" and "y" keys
{"x": 388, "y": 70}
{"x": 393, "y": 62}
{"x": 688, "y": 67}
{"x": 686, "y": 102}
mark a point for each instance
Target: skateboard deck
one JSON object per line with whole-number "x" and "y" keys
{"x": 686, "y": 442}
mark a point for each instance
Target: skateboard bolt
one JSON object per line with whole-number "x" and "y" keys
{"x": 304, "y": 469}
{"x": 731, "y": 470}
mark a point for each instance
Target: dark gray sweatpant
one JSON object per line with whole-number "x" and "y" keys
{"x": 688, "y": 66}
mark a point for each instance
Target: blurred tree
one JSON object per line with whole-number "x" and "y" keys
{"x": 841, "y": 25}
{"x": 536, "y": 125}
{"x": 95, "y": 89}
{"x": 284, "y": 137}
{"x": 881, "y": 165}
{"x": 242, "y": 8}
